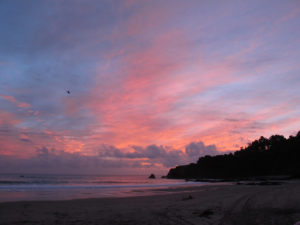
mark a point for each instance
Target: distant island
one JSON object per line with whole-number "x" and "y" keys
{"x": 276, "y": 156}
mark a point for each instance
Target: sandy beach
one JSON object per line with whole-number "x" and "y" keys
{"x": 216, "y": 204}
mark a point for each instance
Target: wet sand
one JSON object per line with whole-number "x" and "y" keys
{"x": 218, "y": 204}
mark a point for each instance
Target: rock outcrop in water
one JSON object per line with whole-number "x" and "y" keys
{"x": 263, "y": 157}
{"x": 152, "y": 176}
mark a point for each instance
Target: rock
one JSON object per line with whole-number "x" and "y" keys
{"x": 188, "y": 198}
{"x": 152, "y": 176}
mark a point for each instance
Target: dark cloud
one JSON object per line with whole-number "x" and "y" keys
{"x": 196, "y": 149}
{"x": 151, "y": 154}
{"x": 110, "y": 158}
{"x": 25, "y": 140}
{"x": 164, "y": 155}
{"x": 58, "y": 161}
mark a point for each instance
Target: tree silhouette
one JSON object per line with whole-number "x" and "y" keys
{"x": 263, "y": 157}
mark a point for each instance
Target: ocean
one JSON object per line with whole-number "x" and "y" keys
{"x": 25, "y": 187}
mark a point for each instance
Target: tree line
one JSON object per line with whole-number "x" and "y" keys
{"x": 263, "y": 157}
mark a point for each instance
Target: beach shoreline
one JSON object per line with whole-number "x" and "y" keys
{"x": 213, "y": 204}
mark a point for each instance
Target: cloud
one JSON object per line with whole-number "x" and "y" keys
{"x": 163, "y": 155}
{"x": 16, "y": 102}
{"x": 150, "y": 158}
{"x": 196, "y": 149}
{"x": 152, "y": 154}
{"x": 146, "y": 72}
{"x": 58, "y": 161}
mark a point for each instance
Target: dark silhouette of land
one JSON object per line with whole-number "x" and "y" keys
{"x": 276, "y": 156}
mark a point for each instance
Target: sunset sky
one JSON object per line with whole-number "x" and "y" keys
{"x": 153, "y": 84}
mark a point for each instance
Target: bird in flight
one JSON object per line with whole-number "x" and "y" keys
{"x": 68, "y": 92}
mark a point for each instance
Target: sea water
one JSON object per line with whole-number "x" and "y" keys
{"x": 24, "y": 187}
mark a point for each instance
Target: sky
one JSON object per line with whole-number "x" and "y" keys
{"x": 153, "y": 84}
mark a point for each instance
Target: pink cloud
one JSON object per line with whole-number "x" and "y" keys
{"x": 166, "y": 77}
{"x": 16, "y": 102}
